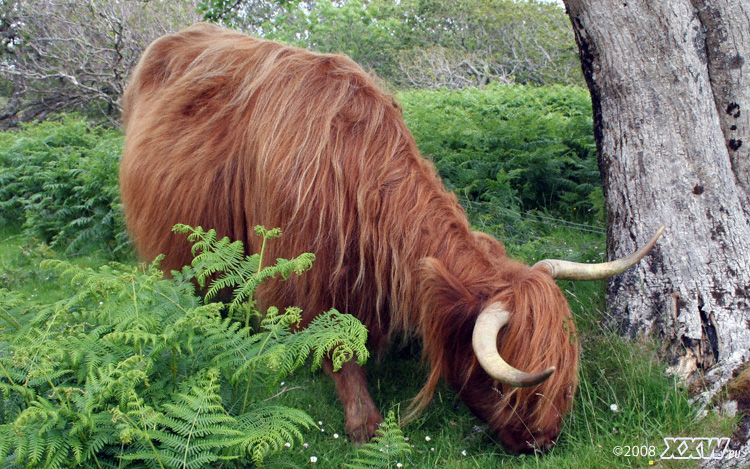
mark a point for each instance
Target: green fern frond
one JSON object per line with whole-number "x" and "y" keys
{"x": 7, "y": 438}
{"x": 386, "y": 449}
{"x": 197, "y": 423}
{"x": 266, "y": 428}
{"x": 11, "y": 307}
{"x": 225, "y": 265}
{"x": 341, "y": 337}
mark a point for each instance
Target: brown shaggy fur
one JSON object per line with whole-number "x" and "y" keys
{"x": 227, "y": 131}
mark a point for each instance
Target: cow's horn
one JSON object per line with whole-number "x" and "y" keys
{"x": 567, "y": 270}
{"x": 484, "y": 340}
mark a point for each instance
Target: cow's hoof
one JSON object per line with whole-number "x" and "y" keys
{"x": 362, "y": 428}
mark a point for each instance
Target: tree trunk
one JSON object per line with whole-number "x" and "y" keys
{"x": 670, "y": 84}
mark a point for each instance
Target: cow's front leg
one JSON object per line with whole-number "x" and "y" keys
{"x": 362, "y": 415}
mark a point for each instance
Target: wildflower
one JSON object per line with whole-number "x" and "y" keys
{"x": 305, "y": 445}
{"x": 463, "y": 453}
{"x": 335, "y": 435}
{"x": 398, "y": 464}
{"x": 432, "y": 449}
{"x": 320, "y": 422}
{"x": 288, "y": 445}
{"x": 427, "y": 438}
{"x": 613, "y": 407}
{"x": 313, "y": 459}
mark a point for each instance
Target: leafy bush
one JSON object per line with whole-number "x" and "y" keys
{"x": 514, "y": 147}
{"x": 59, "y": 181}
{"x": 134, "y": 370}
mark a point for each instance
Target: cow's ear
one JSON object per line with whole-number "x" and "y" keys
{"x": 439, "y": 287}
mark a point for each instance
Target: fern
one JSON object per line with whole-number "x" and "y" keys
{"x": 235, "y": 270}
{"x": 10, "y": 307}
{"x": 267, "y": 428}
{"x": 135, "y": 370}
{"x": 57, "y": 181}
{"x": 195, "y": 427}
{"x": 386, "y": 449}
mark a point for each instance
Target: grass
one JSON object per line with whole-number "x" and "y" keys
{"x": 624, "y": 399}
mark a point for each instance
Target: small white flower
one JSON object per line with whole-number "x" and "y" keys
{"x": 335, "y": 435}
{"x": 305, "y": 445}
{"x": 288, "y": 445}
{"x": 613, "y": 407}
{"x": 282, "y": 383}
{"x": 432, "y": 449}
{"x": 406, "y": 438}
{"x": 313, "y": 459}
{"x": 398, "y": 464}
{"x": 427, "y": 438}
{"x": 323, "y": 430}
{"x": 320, "y": 422}
{"x": 463, "y": 453}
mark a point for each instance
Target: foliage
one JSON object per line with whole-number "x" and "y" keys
{"x": 373, "y": 33}
{"x": 131, "y": 369}
{"x": 76, "y": 55}
{"x": 422, "y": 43}
{"x": 473, "y": 42}
{"x": 512, "y": 149}
{"x": 59, "y": 181}
{"x": 386, "y": 448}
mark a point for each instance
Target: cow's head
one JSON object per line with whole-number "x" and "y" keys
{"x": 482, "y": 326}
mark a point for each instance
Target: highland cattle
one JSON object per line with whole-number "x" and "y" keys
{"x": 227, "y": 131}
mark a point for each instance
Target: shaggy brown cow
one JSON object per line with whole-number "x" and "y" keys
{"x": 227, "y": 131}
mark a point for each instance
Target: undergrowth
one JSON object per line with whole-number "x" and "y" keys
{"x": 58, "y": 181}
{"x": 132, "y": 369}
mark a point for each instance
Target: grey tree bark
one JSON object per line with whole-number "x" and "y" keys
{"x": 670, "y": 84}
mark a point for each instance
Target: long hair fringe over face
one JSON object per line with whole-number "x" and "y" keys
{"x": 227, "y": 132}
{"x": 540, "y": 334}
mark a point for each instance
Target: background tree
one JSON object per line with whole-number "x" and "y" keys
{"x": 670, "y": 84}
{"x": 373, "y": 33}
{"x": 493, "y": 40}
{"x": 76, "y": 54}
{"x": 422, "y": 43}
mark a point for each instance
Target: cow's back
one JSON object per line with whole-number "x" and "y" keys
{"x": 226, "y": 131}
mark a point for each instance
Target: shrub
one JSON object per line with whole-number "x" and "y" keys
{"x": 59, "y": 181}
{"x": 134, "y": 370}
{"x": 516, "y": 147}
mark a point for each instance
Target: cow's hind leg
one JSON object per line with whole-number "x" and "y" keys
{"x": 362, "y": 415}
